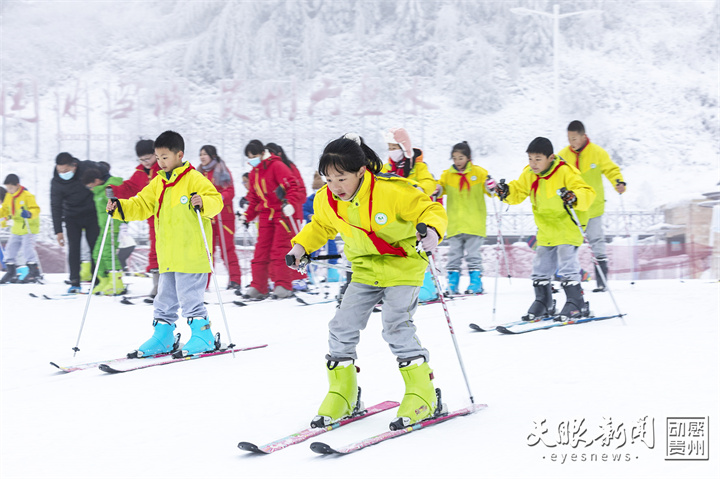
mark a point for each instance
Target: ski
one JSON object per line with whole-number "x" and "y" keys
{"x": 310, "y": 303}
{"x": 306, "y": 434}
{"x": 126, "y": 299}
{"x": 142, "y": 363}
{"x": 56, "y": 296}
{"x": 94, "y": 364}
{"x": 322, "y": 448}
{"x": 480, "y": 329}
{"x": 555, "y": 324}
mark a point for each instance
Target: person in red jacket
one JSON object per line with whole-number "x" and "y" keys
{"x": 215, "y": 170}
{"x": 144, "y": 172}
{"x": 276, "y": 199}
{"x": 299, "y": 283}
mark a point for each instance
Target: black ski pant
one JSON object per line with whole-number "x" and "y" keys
{"x": 74, "y": 228}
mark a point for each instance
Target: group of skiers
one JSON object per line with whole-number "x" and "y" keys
{"x": 375, "y": 207}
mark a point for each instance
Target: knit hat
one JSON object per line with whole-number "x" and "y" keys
{"x": 400, "y": 136}
{"x": 145, "y": 147}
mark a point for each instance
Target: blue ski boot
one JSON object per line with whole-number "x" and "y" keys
{"x": 333, "y": 276}
{"x": 475, "y": 286}
{"x": 453, "y": 282}
{"x": 202, "y": 338}
{"x": 428, "y": 292}
{"x": 162, "y": 341}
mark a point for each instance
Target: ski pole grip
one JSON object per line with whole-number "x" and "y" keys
{"x": 196, "y": 207}
{"x": 290, "y": 260}
{"x": 422, "y": 229}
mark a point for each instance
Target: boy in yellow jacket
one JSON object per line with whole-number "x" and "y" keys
{"x": 377, "y": 216}
{"x": 182, "y": 259}
{"x": 20, "y": 204}
{"x": 558, "y": 237}
{"x": 465, "y": 185}
{"x": 593, "y": 162}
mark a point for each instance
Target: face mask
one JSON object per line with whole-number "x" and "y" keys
{"x": 67, "y": 175}
{"x": 254, "y": 161}
{"x": 396, "y": 155}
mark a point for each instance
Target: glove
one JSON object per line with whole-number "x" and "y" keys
{"x": 244, "y": 203}
{"x": 502, "y": 190}
{"x": 26, "y": 214}
{"x": 430, "y": 241}
{"x": 568, "y": 197}
{"x": 437, "y": 193}
{"x": 490, "y": 185}
{"x": 288, "y": 209}
{"x": 298, "y": 252}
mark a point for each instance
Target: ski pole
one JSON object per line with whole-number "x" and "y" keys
{"x": 212, "y": 272}
{"x": 501, "y": 240}
{"x": 422, "y": 230}
{"x": 112, "y": 256}
{"x": 561, "y": 192}
{"x": 305, "y": 260}
{"x": 92, "y": 282}
{"x": 280, "y": 193}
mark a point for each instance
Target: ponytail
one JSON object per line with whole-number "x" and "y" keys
{"x": 349, "y": 153}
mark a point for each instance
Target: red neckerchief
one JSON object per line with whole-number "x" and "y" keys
{"x": 577, "y": 153}
{"x": 382, "y": 246}
{"x": 168, "y": 185}
{"x": 536, "y": 183}
{"x": 12, "y": 203}
{"x": 463, "y": 180}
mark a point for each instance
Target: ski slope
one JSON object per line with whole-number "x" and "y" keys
{"x": 186, "y": 419}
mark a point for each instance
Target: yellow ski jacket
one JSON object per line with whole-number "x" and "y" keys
{"x": 555, "y": 225}
{"x": 179, "y": 244}
{"x": 12, "y": 206}
{"x": 387, "y": 206}
{"x": 465, "y": 193}
{"x": 593, "y": 162}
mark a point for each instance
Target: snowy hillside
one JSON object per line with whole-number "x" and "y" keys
{"x": 643, "y": 76}
{"x": 618, "y": 383}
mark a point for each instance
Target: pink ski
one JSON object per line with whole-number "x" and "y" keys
{"x": 322, "y": 448}
{"x": 306, "y": 434}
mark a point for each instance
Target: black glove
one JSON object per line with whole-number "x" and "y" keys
{"x": 243, "y": 202}
{"x": 502, "y": 190}
{"x": 568, "y": 197}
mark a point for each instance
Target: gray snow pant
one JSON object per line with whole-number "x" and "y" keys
{"x": 596, "y": 237}
{"x": 399, "y": 305}
{"x": 180, "y": 289}
{"x": 25, "y": 242}
{"x": 562, "y": 258}
{"x": 459, "y": 245}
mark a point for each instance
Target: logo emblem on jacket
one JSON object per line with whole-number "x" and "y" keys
{"x": 593, "y": 165}
{"x": 473, "y": 178}
{"x": 381, "y": 218}
{"x": 183, "y": 199}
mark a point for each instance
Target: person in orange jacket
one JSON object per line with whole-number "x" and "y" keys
{"x": 275, "y": 197}
{"x": 214, "y": 169}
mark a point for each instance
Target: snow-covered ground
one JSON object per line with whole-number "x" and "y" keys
{"x": 185, "y": 420}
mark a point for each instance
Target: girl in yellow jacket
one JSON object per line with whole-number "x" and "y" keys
{"x": 20, "y": 204}
{"x": 182, "y": 258}
{"x": 377, "y": 216}
{"x": 558, "y": 237}
{"x": 464, "y": 184}
{"x": 406, "y": 161}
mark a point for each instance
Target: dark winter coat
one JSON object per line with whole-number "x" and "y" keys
{"x": 70, "y": 198}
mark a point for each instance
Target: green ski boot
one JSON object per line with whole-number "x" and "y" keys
{"x": 343, "y": 399}
{"x": 421, "y": 400}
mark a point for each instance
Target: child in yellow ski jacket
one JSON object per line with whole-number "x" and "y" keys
{"x": 182, "y": 258}
{"x": 20, "y": 205}
{"x": 377, "y": 216}
{"x": 464, "y": 184}
{"x": 553, "y": 186}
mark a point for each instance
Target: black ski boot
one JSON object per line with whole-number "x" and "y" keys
{"x": 575, "y": 306}
{"x": 10, "y": 274}
{"x": 33, "y": 275}
{"x": 544, "y": 305}
{"x": 602, "y": 263}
